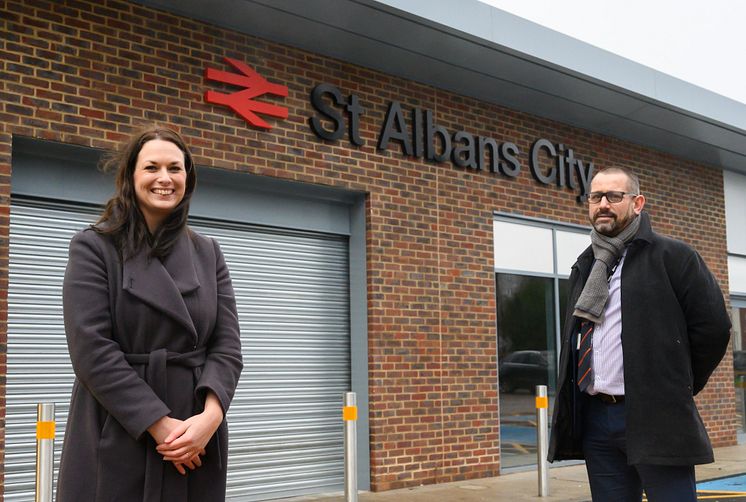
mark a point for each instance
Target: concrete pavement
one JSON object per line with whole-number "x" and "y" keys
{"x": 567, "y": 484}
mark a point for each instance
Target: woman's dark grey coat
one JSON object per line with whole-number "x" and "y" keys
{"x": 147, "y": 338}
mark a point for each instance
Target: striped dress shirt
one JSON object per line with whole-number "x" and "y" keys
{"x": 608, "y": 361}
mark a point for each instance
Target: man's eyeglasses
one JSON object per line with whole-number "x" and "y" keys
{"x": 612, "y": 197}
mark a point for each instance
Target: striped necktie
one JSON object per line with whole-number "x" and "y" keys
{"x": 585, "y": 355}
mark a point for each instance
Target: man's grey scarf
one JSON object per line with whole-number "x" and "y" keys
{"x": 606, "y": 250}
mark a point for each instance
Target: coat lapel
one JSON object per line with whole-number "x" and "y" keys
{"x": 161, "y": 283}
{"x": 180, "y": 265}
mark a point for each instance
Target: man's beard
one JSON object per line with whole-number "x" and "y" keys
{"x": 614, "y": 226}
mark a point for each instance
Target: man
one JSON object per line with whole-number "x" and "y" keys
{"x": 646, "y": 326}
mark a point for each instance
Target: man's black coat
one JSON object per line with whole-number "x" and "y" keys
{"x": 675, "y": 330}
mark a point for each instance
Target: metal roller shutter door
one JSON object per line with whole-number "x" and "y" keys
{"x": 293, "y": 302}
{"x": 38, "y": 363}
{"x": 292, "y": 292}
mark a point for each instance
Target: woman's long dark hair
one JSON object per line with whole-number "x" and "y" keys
{"x": 122, "y": 218}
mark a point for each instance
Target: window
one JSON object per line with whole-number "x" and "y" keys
{"x": 532, "y": 263}
{"x": 738, "y": 318}
{"x": 734, "y": 188}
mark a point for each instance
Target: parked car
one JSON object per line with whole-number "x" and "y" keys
{"x": 525, "y": 369}
{"x": 739, "y": 360}
{"x": 739, "y": 367}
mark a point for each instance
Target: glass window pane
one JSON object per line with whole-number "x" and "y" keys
{"x": 564, "y": 293}
{"x": 569, "y": 247}
{"x": 526, "y": 358}
{"x": 738, "y": 318}
{"x": 523, "y": 248}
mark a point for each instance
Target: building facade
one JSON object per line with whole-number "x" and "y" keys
{"x": 386, "y": 234}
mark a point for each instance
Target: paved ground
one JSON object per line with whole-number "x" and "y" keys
{"x": 567, "y": 484}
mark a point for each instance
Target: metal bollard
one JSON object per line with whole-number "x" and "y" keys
{"x": 542, "y": 440}
{"x": 349, "y": 415}
{"x": 45, "y": 426}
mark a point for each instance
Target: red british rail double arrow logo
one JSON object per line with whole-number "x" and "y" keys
{"x": 243, "y": 102}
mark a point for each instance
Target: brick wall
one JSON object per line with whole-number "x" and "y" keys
{"x": 89, "y": 73}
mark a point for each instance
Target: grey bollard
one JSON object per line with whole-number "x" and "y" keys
{"x": 45, "y": 428}
{"x": 349, "y": 415}
{"x": 542, "y": 439}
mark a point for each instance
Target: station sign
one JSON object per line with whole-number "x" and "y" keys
{"x": 414, "y": 131}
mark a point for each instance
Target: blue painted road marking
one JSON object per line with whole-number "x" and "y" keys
{"x": 731, "y": 484}
{"x": 730, "y": 489}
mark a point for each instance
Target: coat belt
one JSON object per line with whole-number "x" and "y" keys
{"x": 156, "y": 375}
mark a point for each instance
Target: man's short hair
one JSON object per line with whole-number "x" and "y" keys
{"x": 633, "y": 182}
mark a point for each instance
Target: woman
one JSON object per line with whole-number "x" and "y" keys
{"x": 151, "y": 326}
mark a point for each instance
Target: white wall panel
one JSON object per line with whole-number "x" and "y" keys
{"x": 737, "y": 275}
{"x": 734, "y": 186}
{"x": 523, "y": 248}
{"x": 569, "y": 247}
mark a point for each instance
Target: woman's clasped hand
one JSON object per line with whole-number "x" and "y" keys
{"x": 182, "y": 442}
